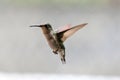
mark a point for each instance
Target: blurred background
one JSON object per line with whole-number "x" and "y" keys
{"x": 94, "y": 50}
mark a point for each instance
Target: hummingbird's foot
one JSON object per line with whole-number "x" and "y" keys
{"x": 55, "y": 52}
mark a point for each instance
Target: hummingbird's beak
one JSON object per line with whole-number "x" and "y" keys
{"x": 35, "y": 26}
{"x": 85, "y": 24}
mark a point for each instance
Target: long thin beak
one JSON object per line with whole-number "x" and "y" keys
{"x": 85, "y": 24}
{"x": 35, "y": 26}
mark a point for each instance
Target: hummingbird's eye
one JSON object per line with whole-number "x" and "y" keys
{"x": 46, "y": 25}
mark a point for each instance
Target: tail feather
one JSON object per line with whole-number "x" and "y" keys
{"x": 62, "y": 56}
{"x": 63, "y": 61}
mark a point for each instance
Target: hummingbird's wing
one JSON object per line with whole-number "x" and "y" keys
{"x": 63, "y": 28}
{"x": 63, "y": 35}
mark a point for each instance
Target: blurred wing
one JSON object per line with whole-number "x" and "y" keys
{"x": 68, "y": 26}
{"x": 63, "y": 35}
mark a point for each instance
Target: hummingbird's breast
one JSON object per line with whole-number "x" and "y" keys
{"x": 50, "y": 37}
{"x": 53, "y": 39}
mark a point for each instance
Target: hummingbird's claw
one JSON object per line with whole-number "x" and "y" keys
{"x": 55, "y": 52}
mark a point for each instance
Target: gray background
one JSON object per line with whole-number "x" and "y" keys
{"x": 95, "y": 49}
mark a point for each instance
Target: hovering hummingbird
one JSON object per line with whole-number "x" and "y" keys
{"x": 55, "y": 39}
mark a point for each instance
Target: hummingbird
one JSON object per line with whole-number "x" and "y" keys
{"x": 56, "y": 39}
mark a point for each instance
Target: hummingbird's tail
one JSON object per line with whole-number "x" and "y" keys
{"x": 62, "y": 56}
{"x": 63, "y": 60}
